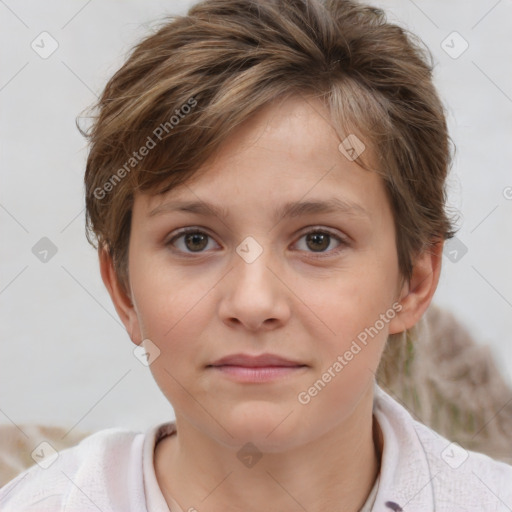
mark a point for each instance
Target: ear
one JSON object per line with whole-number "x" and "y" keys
{"x": 122, "y": 302}
{"x": 417, "y": 293}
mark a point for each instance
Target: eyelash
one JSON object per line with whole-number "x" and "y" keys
{"x": 324, "y": 254}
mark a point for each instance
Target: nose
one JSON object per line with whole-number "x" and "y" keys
{"x": 253, "y": 294}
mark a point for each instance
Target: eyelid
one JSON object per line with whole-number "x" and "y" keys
{"x": 323, "y": 229}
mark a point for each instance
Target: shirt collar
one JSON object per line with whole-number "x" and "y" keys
{"x": 405, "y": 476}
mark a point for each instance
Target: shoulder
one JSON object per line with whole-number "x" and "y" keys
{"x": 444, "y": 474}
{"x": 464, "y": 477}
{"x": 78, "y": 477}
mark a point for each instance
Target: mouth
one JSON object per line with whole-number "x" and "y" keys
{"x": 262, "y": 368}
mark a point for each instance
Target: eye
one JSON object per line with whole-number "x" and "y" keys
{"x": 319, "y": 240}
{"x": 193, "y": 240}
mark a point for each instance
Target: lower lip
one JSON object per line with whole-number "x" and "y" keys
{"x": 258, "y": 374}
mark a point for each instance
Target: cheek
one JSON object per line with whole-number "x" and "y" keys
{"x": 359, "y": 313}
{"x": 170, "y": 305}
{"x": 350, "y": 301}
{"x": 172, "y": 311}
{"x": 357, "y": 309}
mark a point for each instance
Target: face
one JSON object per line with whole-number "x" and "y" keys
{"x": 316, "y": 286}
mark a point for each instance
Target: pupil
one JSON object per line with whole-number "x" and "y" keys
{"x": 319, "y": 237}
{"x": 195, "y": 237}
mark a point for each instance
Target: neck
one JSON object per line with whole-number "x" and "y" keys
{"x": 333, "y": 472}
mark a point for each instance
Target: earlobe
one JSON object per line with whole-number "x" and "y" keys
{"x": 417, "y": 294}
{"x": 122, "y": 302}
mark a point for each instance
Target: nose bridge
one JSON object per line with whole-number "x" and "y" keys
{"x": 255, "y": 258}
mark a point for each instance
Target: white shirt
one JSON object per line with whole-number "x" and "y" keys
{"x": 113, "y": 471}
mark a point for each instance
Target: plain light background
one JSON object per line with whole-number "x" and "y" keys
{"x": 66, "y": 358}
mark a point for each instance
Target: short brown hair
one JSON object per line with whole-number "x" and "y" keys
{"x": 184, "y": 88}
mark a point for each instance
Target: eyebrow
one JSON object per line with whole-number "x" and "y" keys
{"x": 290, "y": 209}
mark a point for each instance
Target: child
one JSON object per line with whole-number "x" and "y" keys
{"x": 261, "y": 128}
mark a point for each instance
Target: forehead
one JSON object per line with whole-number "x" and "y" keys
{"x": 287, "y": 151}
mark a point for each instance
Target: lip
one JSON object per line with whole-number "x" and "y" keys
{"x": 258, "y": 361}
{"x": 257, "y": 374}
{"x": 261, "y": 368}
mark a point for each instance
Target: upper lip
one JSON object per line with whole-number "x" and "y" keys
{"x": 261, "y": 360}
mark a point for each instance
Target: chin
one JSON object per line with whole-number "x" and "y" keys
{"x": 270, "y": 428}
